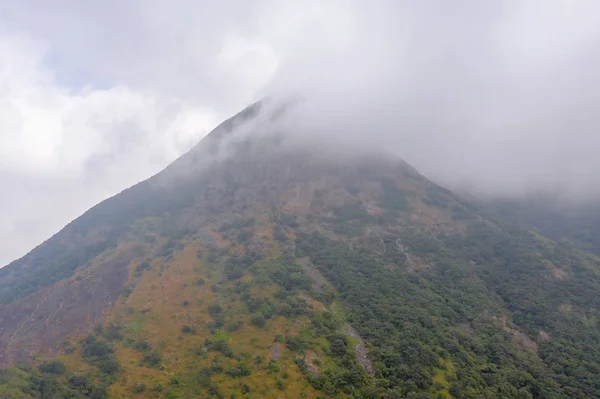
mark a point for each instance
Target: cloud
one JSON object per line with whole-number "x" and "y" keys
{"x": 62, "y": 151}
{"x": 500, "y": 97}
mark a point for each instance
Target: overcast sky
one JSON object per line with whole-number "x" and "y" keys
{"x": 96, "y": 96}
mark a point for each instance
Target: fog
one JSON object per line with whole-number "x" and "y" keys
{"x": 499, "y": 98}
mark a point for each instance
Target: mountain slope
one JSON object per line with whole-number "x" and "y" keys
{"x": 257, "y": 267}
{"x": 576, "y": 222}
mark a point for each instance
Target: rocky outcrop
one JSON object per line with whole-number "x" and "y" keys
{"x": 360, "y": 349}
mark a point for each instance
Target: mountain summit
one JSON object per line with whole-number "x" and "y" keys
{"x": 261, "y": 265}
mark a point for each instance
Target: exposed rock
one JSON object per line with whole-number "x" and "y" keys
{"x": 566, "y": 308}
{"x": 466, "y": 327}
{"x": 290, "y": 246}
{"x": 310, "y": 358}
{"x": 312, "y": 302}
{"x": 319, "y": 281}
{"x": 360, "y": 349}
{"x": 207, "y": 238}
{"x": 519, "y": 338}
{"x": 275, "y": 351}
{"x": 414, "y": 262}
{"x": 376, "y": 243}
{"x": 557, "y": 272}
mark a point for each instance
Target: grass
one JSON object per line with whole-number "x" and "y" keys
{"x": 440, "y": 377}
{"x": 154, "y": 311}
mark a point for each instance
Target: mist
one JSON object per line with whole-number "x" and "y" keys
{"x": 497, "y": 99}
{"x": 500, "y": 101}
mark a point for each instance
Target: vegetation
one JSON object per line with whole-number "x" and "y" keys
{"x": 374, "y": 285}
{"x": 22, "y": 382}
{"x": 52, "y": 367}
{"x": 393, "y": 198}
{"x": 99, "y": 353}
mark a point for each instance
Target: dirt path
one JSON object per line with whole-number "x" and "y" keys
{"x": 9, "y": 344}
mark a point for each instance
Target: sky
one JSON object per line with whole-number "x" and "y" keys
{"x": 499, "y": 97}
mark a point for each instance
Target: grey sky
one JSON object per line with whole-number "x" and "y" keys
{"x": 95, "y": 96}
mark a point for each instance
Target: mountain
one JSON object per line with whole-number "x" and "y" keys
{"x": 577, "y": 222}
{"x": 260, "y": 265}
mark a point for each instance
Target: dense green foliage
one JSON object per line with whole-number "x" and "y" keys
{"x": 392, "y": 312}
{"x": 413, "y": 320}
{"x": 23, "y": 382}
{"x": 578, "y": 223}
{"x": 525, "y": 282}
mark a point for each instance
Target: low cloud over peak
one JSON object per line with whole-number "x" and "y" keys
{"x": 498, "y": 97}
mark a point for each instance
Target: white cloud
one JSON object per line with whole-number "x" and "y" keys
{"x": 47, "y": 129}
{"x": 63, "y": 151}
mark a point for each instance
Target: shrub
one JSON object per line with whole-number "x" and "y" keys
{"x": 157, "y": 388}
{"x": 219, "y": 345}
{"x": 244, "y": 236}
{"x": 279, "y": 233}
{"x": 113, "y": 332}
{"x": 258, "y": 320}
{"x": 92, "y": 348}
{"x": 295, "y": 343}
{"x": 139, "y": 387}
{"x": 234, "y": 325}
{"x": 284, "y": 309}
{"x": 145, "y": 265}
{"x": 272, "y": 367}
{"x": 214, "y": 309}
{"x": 152, "y": 359}
{"x": 188, "y": 329}
{"x": 141, "y": 345}
{"x": 128, "y": 290}
{"x": 200, "y": 281}
{"x": 217, "y": 322}
{"x": 108, "y": 366}
{"x": 52, "y": 367}
{"x": 79, "y": 381}
{"x": 338, "y": 344}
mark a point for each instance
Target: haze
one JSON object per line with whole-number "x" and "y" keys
{"x": 499, "y": 97}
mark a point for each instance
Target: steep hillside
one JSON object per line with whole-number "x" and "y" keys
{"x": 252, "y": 268}
{"x": 573, "y": 221}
